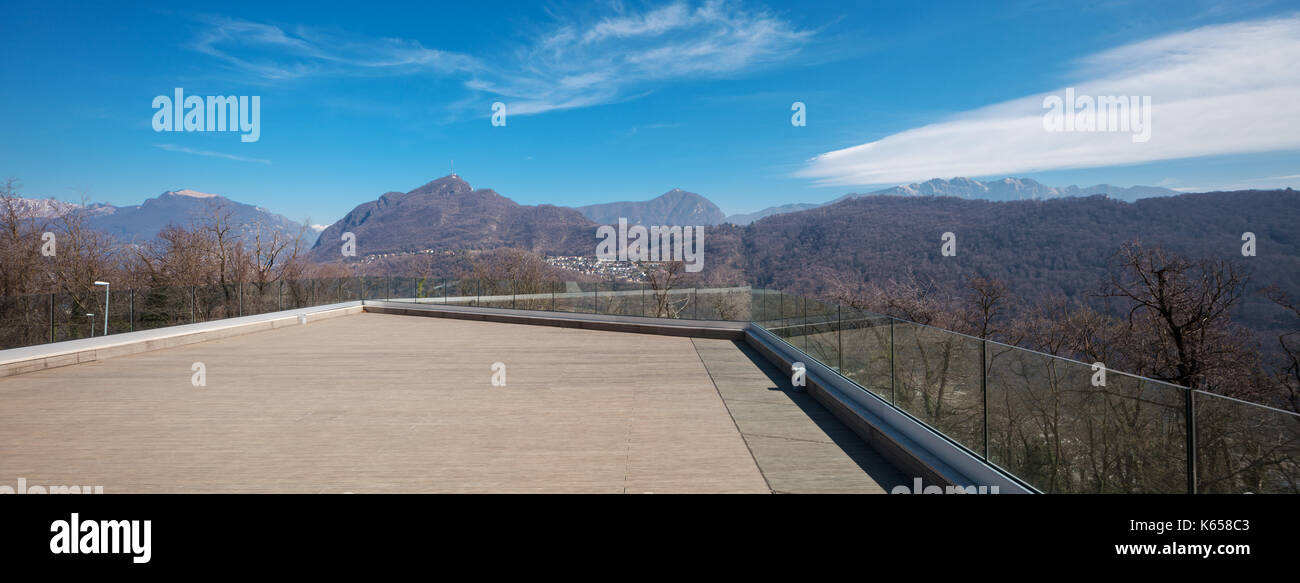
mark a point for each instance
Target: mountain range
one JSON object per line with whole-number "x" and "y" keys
{"x": 448, "y": 214}
{"x": 675, "y": 207}
{"x": 142, "y": 222}
{"x": 1006, "y": 189}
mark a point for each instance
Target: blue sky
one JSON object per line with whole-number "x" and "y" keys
{"x": 624, "y": 101}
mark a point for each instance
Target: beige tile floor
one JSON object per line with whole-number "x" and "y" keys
{"x": 387, "y": 403}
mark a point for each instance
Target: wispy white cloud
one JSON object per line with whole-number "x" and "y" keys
{"x": 632, "y": 131}
{"x": 274, "y": 53}
{"x": 1223, "y": 89}
{"x": 211, "y": 154}
{"x": 580, "y": 64}
{"x": 575, "y": 62}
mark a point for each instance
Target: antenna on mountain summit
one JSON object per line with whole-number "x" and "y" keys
{"x": 453, "y": 168}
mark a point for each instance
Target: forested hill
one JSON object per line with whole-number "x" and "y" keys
{"x": 1037, "y": 247}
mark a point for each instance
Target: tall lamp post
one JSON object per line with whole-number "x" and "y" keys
{"x": 106, "y": 288}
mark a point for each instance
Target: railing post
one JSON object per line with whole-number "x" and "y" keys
{"x": 51, "y": 317}
{"x": 984, "y": 390}
{"x": 893, "y": 370}
{"x": 804, "y": 329}
{"x": 241, "y": 298}
{"x": 1190, "y": 413}
{"x": 193, "y": 307}
{"x": 130, "y": 308}
{"x": 839, "y": 336}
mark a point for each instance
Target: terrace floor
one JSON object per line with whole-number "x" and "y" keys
{"x": 390, "y": 403}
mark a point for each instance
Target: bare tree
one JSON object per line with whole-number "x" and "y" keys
{"x": 272, "y": 255}
{"x": 986, "y": 302}
{"x": 19, "y": 243}
{"x": 226, "y": 248}
{"x": 1179, "y": 311}
{"x": 1287, "y": 373}
{"x": 663, "y": 278}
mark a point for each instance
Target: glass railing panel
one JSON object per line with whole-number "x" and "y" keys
{"x": 762, "y": 304}
{"x": 327, "y": 291}
{"x": 938, "y": 376}
{"x": 1064, "y": 428}
{"x": 359, "y": 288}
{"x": 1149, "y": 418}
{"x": 620, "y": 299}
{"x": 420, "y": 289}
{"x": 822, "y": 339}
{"x": 435, "y": 289}
{"x": 494, "y": 293}
{"x": 159, "y": 307}
{"x": 587, "y": 301}
{"x": 25, "y": 320}
{"x": 640, "y": 298}
{"x": 318, "y": 291}
{"x": 354, "y": 287}
{"x": 727, "y": 303}
{"x": 472, "y": 291}
{"x": 666, "y": 303}
{"x": 457, "y": 292}
{"x": 579, "y": 297}
{"x": 251, "y": 298}
{"x": 865, "y": 351}
{"x": 1242, "y": 447}
{"x": 689, "y": 299}
{"x": 532, "y": 295}
{"x": 605, "y": 301}
{"x": 293, "y": 293}
{"x": 790, "y": 324}
{"x": 565, "y": 296}
{"x": 118, "y": 318}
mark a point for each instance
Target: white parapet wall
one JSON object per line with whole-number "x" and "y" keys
{"x": 16, "y": 361}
